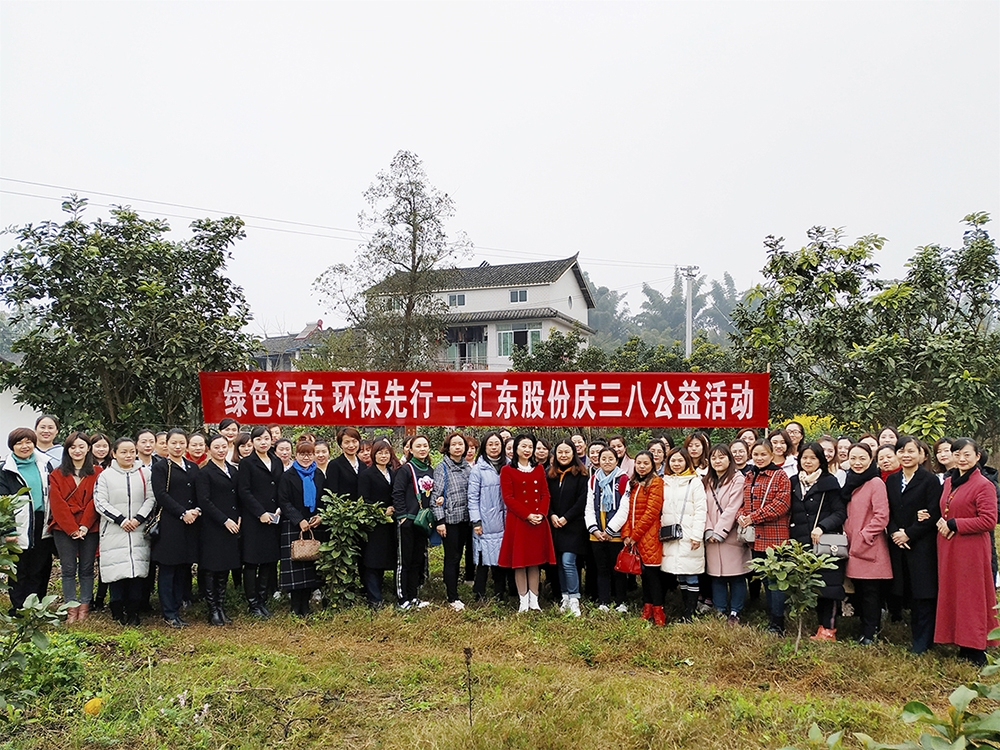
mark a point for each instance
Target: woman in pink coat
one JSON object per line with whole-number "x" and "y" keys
{"x": 726, "y": 557}
{"x": 966, "y": 597}
{"x": 868, "y": 562}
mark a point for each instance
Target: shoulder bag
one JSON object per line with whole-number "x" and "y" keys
{"x": 748, "y": 534}
{"x": 152, "y": 528}
{"x": 834, "y": 545}
{"x": 676, "y": 530}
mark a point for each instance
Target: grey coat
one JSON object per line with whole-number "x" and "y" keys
{"x": 451, "y": 481}
{"x": 119, "y": 496}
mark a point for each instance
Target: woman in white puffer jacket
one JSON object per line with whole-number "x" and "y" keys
{"x": 684, "y": 505}
{"x": 124, "y": 498}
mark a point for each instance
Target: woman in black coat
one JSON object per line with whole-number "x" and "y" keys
{"x": 176, "y": 549}
{"x": 220, "y": 542}
{"x": 817, "y": 508}
{"x": 257, "y": 492}
{"x": 568, "y": 499}
{"x": 411, "y": 492}
{"x": 343, "y": 471}
{"x": 912, "y": 542}
{"x": 379, "y": 552}
{"x": 300, "y": 495}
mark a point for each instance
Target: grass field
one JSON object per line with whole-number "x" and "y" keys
{"x": 398, "y": 680}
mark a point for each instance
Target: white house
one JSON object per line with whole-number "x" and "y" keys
{"x": 493, "y": 308}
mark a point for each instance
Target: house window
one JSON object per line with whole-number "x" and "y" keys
{"x": 510, "y": 335}
{"x": 456, "y": 300}
{"x": 518, "y": 295}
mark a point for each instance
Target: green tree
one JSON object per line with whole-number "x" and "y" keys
{"x": 610, "y": 318}
{"x": 840, "y": 341}
{"x": 388, "y": 292}
{"x": 122, "y": 318}
{"x": 339, "y": 350}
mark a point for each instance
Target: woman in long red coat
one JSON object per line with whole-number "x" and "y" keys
{"x": 966, "y": 596}
{"x": 642, "y": 530}
{"x": 527, "y": 538}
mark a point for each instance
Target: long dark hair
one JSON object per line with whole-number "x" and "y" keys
{"x": 481, "y": 453}
{"x": 712, "y": 478}
{"x": 575, "y": 465}
{"x": 67, "y": 467}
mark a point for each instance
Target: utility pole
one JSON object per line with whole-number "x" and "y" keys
{"x": 689, "y": 272}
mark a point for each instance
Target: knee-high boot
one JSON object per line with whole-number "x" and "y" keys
{"x": 250, "y": 573}
{"x": 261, "y": 581}
{"x": 212, "y": 599}
{"x": 220, "y": 587}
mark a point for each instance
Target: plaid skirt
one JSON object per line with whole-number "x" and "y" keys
{"x": 295, "y": 575}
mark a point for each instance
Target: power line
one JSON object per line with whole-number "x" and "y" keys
{"x": 489, "y": 251}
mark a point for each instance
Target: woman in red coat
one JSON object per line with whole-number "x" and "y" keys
{"x": 527, "y": 538}
{"x": 74, "y": 521}
{"x": 966, "y": 596}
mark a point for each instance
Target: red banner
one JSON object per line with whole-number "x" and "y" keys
{"x": 467, "y": 399}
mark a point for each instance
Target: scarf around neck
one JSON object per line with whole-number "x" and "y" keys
{"x": 606, "y": 484}
{"x": 308, "y": 484}
{"x": 855, "y": 480}
{"x": 808, "y": 481}
{"x": 420, "y": 464}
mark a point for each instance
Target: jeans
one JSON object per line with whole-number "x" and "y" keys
{"x": 569, "y": 575}
{"x": 775, "y": 599}
{"x": 171, "y": 589}
{"x": 729, "y": 593}
{"x": 77, "y": 556}
{"x": 372, "y": 579}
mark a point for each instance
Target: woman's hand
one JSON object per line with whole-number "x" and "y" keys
{"x": 304, "y": 525}
{"x": 442, "y": 530}
{"x": 943, "y": 530}
{"x": 901, "y": 539}
{"x": 232, "y": 526}
{"x": 923, "y": 515}
{"x": 390, "y": 510}
{"x": 601, "y": 536}
{"x": 535, "y": 518}
{"x": 265, "y": 518}
{"x": 743, "y": 521}
{"x": 440, "y": 501}
{"x": 314, "y": 522}
{"x": 477, "y": 530}
{"x": 189, "y": 517}
{"x": 557, "y": 521}
{"x": 815, "y": 534}
{"x": 130, "y": 525}
{"x": 628, "y": 541}
{"x": 695, "y": 544}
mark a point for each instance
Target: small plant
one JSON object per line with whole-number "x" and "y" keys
{"x": 347, "y": 522}
{"x": 797, "y": 571}
{"x": 26, "y": 628}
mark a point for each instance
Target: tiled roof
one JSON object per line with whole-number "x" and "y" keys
{"x": 493, "y": 316}
{"x": 486, "y": 276}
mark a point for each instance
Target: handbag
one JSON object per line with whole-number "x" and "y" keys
{"x": 748, "y": 534}
{"x": 424, "y": 519}
{"x": 305, "y": 550}
{"x": 629, "y": 561}
{"x": 152, "y": 528}
{"x": 834, "y": 545}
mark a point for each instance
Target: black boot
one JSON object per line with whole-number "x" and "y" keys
{"x": 689, "y": 600}
{"x": 261, "y": 592}
{"x": 118, "y": 612}
{"x": 220, "y": 595}
{"x": 132, "y": 612}
{"x": 250, "y": 589}
{"x": 211, "y": 598}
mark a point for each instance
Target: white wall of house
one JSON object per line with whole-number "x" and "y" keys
{"x": 13, "y": 414}
{"x": 564, "y": 295}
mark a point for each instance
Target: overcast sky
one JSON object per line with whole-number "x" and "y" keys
{"x": 651, "y": 133}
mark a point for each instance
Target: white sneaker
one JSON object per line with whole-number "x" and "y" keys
{"x": 421, "y": 604}
{"x": 523, "y": 605}
{"x": 564, "y": 607}
{"x": 533, "y": 602}
{"x": 405, "y": 605}
{"x": 457, "y": 605}
{"x": 621, "y": 608}
{"x": 604, "y": 608}
{"x": 574, "y": 607}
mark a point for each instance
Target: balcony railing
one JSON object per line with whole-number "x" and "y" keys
{"x": 463, "y": 363}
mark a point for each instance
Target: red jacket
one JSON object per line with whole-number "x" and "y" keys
{"x": 767, "y": 499}
{"x": 643, "y": 523}
{"x": 72, "y": 504}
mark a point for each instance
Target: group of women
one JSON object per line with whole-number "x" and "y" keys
{"x": 689, "y": 517}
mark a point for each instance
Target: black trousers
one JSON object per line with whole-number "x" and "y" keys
{"x": 826, "y": 612}
{"x": 652, "y": 585}
{"x": 923, "y": 614}
{"x": 609, "y": 581}
{"x": 869, "y": 599}
{"x": 454, "y": 546}
{"x": 34, "y": 566}
{"x": 410, "y": 565}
